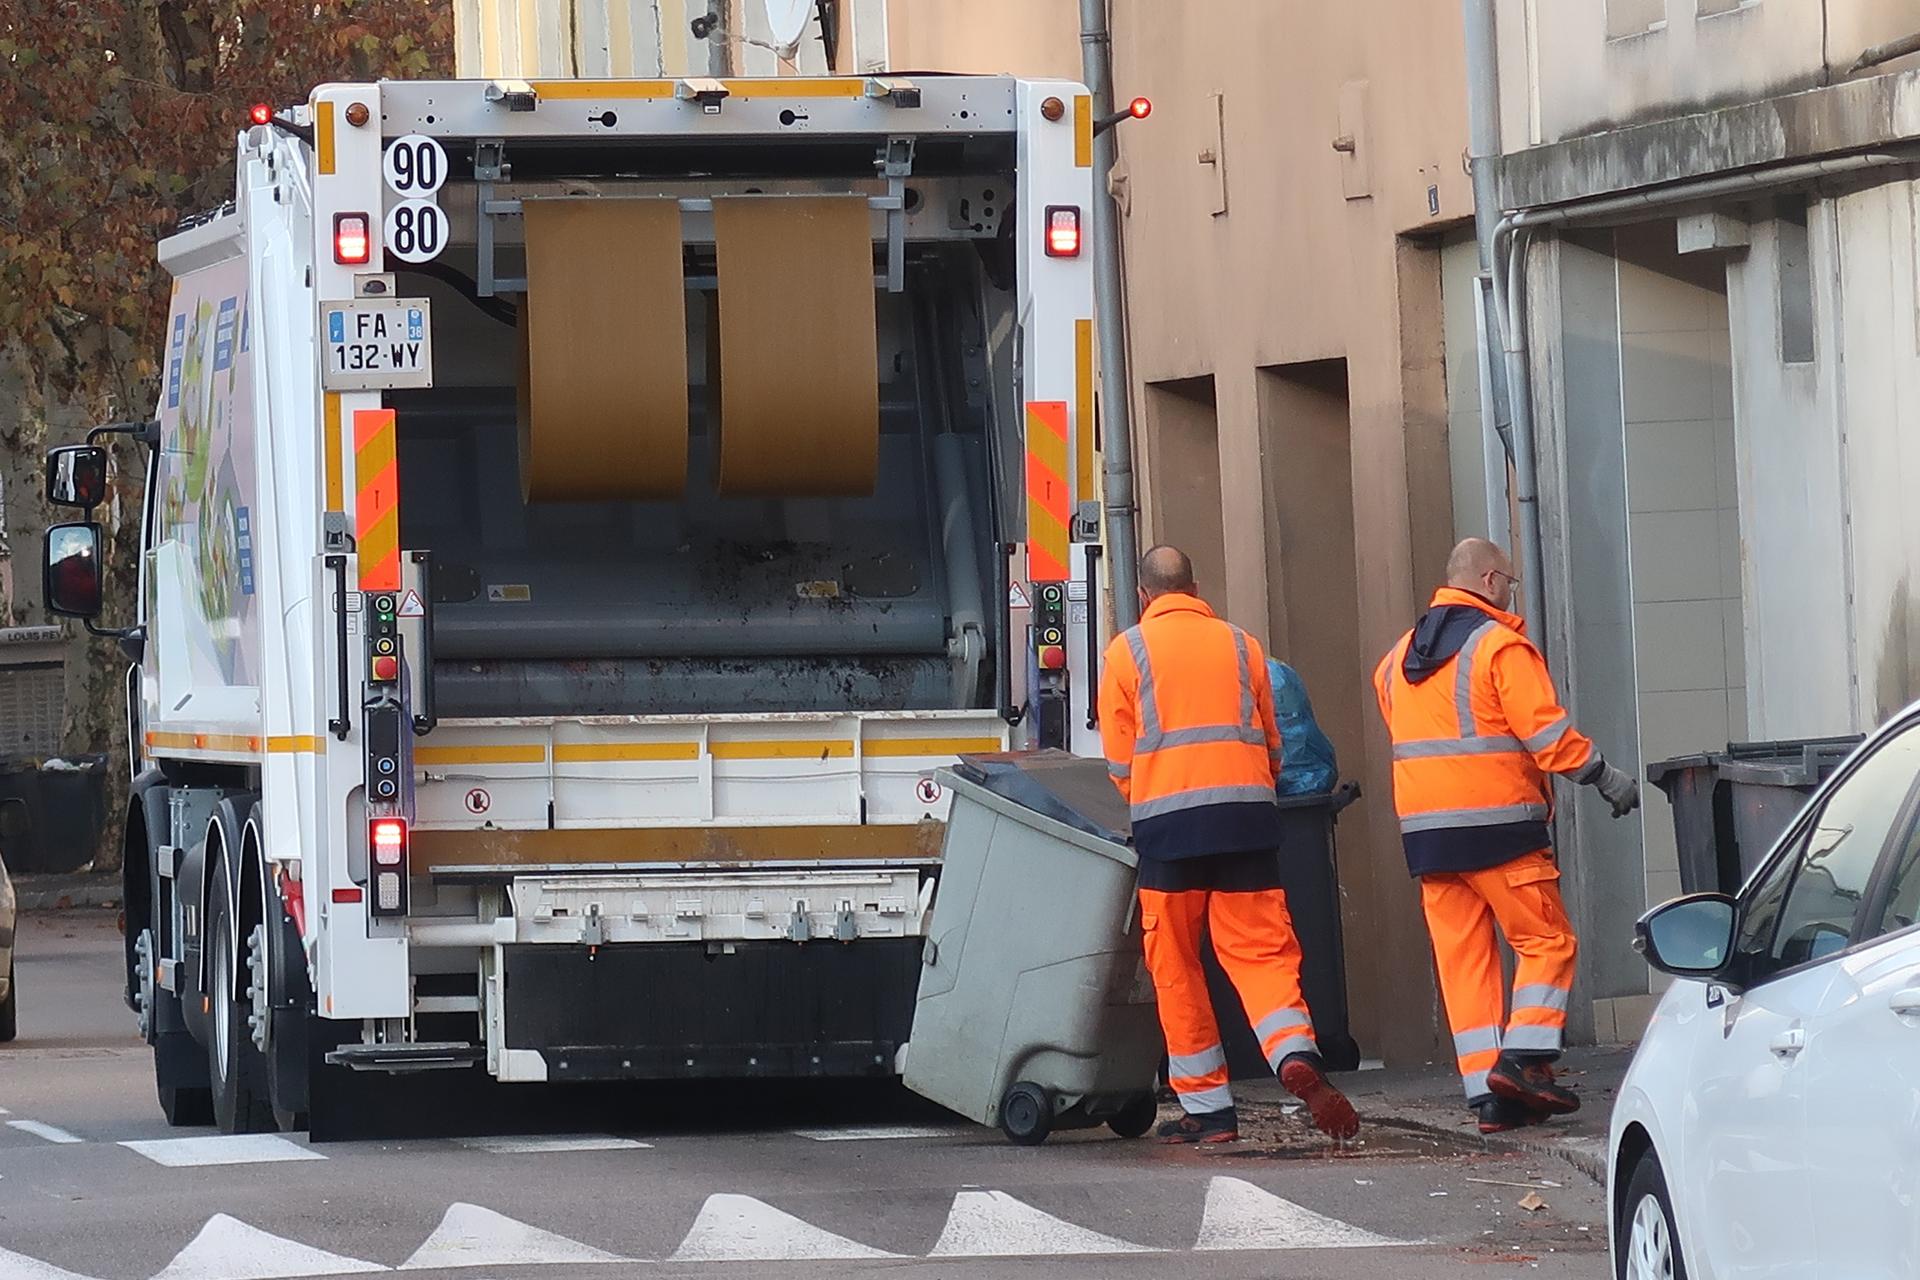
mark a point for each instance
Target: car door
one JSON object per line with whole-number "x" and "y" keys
{"x": 1863, "y": 1084}
{"x": 1749, "y": 1132}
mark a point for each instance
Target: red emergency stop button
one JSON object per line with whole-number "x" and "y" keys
{"x": 386, "y": 667}
{"x": 1053, "y": 656}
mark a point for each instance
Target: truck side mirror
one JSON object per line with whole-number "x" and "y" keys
{"x": 77, "y": 476}
{"x": 73, "y": 578}
{"x": 1689, "y": 937}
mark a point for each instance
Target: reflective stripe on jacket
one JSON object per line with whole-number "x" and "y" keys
{"x": 1476, "y": 727}
{"x": 1186, "y": 718}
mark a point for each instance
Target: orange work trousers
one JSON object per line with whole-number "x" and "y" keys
{"x": 1523, "y": 898}
{"x": 1254, "y": 941}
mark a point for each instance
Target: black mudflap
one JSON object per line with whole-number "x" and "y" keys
{"x": 661, "y": 1011}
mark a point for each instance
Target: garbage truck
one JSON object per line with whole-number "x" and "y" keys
{"x": 581, "y": 518}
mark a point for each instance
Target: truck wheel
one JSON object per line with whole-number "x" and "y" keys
{"x": 10, "y": 1007}
{"x": 240, "y": 1104}
{"x": 1026, "y": 1114}
{"x": 1134, "y": 1119}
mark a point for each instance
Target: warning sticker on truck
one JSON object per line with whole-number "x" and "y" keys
{"x": 376, "y": 344}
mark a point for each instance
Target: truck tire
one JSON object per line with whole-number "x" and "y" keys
{"x": 240, "y": 1103}
{"x": 10, "y": 1007}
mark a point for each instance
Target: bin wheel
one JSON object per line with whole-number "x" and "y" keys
{"x": 1026, "y": 1114}
{"x": 1134, "y": 1119}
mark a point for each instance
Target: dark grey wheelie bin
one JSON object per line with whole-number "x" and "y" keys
{"x": 1729, "y": 807}
{"x": 1310, "y": 875}
{"x": 1035, "y": 1010}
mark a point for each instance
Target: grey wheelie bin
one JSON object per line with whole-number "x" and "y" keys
{"x": 1035, "y": 1010}
{"x": 1730, "y": 807}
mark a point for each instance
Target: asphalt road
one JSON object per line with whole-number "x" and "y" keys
{"x": 710, "y": 1183}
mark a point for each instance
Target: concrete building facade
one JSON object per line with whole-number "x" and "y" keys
{"x": 1721, "y": 314}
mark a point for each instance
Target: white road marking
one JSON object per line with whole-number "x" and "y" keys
{"x": 992, "y": 1224}
{"x": 221, "y": 1148}
{"x": 1240, "y": 1215}
{"x": 734, "y": 1228}
{"x": 52, "y": 1133}
{"x": 876, "y": 1132}
{"x": 515, "y": 1146}
{"x": 470, "y": 1236}
{"x": 18, "y": 1266}
{"x": 229, "y": 1249}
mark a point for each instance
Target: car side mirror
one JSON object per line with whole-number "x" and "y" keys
{"x": 1689, "y": 937}
{"x": 73, "y": 576}
{"x": 77, "y": 476}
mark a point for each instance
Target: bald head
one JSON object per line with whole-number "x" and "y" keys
{"x": 1481, "y": 567}
{"x": 1165, "y": 570}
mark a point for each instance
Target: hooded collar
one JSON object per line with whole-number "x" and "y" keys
{"x": 1473, "y": 600}
{"x": 1444, "y": 628}
{"x": 1176, "y": 602}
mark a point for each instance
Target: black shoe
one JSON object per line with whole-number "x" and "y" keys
{"x": 1207, "y": 1126}
{"x": 1497, "y": 1115}
{"x": 1530, "y": 1082}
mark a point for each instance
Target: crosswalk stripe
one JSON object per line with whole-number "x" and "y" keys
{"x": 736, "y": 1228}
{"x": 471, "y": 1236}
{"x": 878, "y": 1132}
{"x": 221, "y": 1148}
{"x": 229, "y": 1249}
{"x": 18, "y": 1266}
{"x": 52, "y": 1133}
{"x": 992, "y": 1224}
{"x": 533, "y": 1145}
{"x": 1240, "y": 1215}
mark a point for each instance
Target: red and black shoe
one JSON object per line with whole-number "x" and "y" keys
{"x": 1333, "y": 1115}
{"x": 1206, "y": 1126}
{"x": 1530, "y": 1082}
{"x": 1498, "y": 1115}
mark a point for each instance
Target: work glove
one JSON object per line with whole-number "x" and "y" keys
{"x": 1619, "y": 789}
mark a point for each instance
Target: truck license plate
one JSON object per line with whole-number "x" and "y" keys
{"x": 376, "y": 344}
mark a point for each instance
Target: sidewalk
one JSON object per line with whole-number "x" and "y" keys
{"x": 1428, "y": 1098}
{"x": 48, "y": 892}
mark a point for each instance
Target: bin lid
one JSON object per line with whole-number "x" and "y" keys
{"x": 1072, "y": 790}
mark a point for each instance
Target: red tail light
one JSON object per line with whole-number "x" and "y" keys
{"x": 1140, "y": 108}
{"x": 352, "y": 239}
{"x": 1063, "y": 231}
{"x": 387, "y": 838}
{"x": 261, "y": 113}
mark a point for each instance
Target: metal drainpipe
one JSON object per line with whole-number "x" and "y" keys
{"x": 1509, "y": 294}
{"x": 1096, "y": 61}
{"x": 1483, "y": 151}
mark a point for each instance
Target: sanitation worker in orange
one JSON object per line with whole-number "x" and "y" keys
{"x": 1477, "y": 729}
{"x": 1186, "y": 720}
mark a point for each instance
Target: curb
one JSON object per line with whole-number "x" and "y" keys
{"x": 66, "y": 894}
{"x": 1590, "y": 1163}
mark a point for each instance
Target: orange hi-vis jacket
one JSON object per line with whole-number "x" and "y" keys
{"x": 1186, "y": 719}
{"x": 1476, "y": 727}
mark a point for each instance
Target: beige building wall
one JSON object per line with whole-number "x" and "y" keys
{"x": 1286, "y": 320}
{"x": 985, "y": 37}
{"x": 1592, "y": 65}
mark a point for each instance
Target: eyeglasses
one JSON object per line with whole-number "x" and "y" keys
{"x": 1495, "y": 573}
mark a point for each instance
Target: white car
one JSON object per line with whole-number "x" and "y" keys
{"x": 9, "y": 993}
{"x": 1770, "y": 1122}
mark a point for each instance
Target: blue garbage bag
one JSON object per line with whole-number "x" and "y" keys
{"x": 1308, "y": 766}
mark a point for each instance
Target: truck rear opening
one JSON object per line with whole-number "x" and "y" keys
{"x": 709, "y": 604}
{"x": 483, "y": 724}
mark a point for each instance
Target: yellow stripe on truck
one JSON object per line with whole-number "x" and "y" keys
{"x": 508, "y": 753}
{"x": 928, "y": 746}
{"x": 323, "y": 135}
{"x": 784, "y": 749}
{"x": 600, "y": 752}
